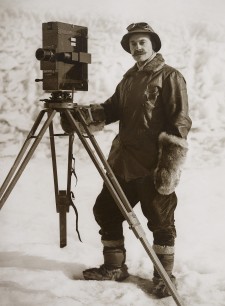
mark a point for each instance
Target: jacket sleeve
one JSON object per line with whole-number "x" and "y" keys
{"x": 175, "y": 100}
{"x": 111, "y": 107}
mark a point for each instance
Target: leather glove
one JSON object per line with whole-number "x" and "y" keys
{"x": 93, "y": 115}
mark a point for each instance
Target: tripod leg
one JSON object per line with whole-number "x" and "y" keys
{"x": 54, "y": 164}
{"x": 121, "y": 200}
{"x": 27, "y": 157}
{"x": 61, "y": 196}
{"x": 62, "y": 229}
{"x": 21, "y": 153}
{"x": 70, "y": 160}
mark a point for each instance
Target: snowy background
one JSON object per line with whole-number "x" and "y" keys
{"x": 33, "y": 269}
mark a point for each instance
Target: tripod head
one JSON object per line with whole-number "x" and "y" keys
{"x": 60, "y": 100}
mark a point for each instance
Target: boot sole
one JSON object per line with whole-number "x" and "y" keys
{"x": 93, "y": 276}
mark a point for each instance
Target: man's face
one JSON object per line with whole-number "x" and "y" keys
{"x": 140, "y": 47}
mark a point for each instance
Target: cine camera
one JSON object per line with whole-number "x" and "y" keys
{"x": 64, "y": 57}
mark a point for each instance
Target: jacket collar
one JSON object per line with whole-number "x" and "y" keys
{"x": 154, "y": 65}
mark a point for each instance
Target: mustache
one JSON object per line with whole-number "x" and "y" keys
{"x": 138, "y": 53}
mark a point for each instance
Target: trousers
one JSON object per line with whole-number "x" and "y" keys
{"x": 158, "y": 209}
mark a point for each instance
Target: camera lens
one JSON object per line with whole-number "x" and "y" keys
{"x": 45, "y": 55}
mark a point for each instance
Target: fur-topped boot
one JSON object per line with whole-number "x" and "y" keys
{"x": 172, "y": 155}
{"x": 114, "y": 267}
{"x": 166, "y": 257}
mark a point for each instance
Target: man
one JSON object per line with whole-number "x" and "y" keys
{"x": 151, "y": 106}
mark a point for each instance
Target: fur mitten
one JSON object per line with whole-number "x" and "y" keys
{"x": 172, "y": 155}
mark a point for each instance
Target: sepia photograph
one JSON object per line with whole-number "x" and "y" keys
{"x": 112, "y": 153}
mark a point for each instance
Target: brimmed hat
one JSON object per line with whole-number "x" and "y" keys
{"x": 140, "y": 27}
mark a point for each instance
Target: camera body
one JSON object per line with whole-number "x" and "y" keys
{"x": 63, "y": 57}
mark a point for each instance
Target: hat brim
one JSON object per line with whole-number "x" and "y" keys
{"x": 153, "y": 36}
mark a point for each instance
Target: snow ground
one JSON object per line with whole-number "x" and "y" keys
{"x": 33, "y": 269}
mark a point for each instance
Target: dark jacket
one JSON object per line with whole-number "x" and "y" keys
{"x": 146, "y": 103}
